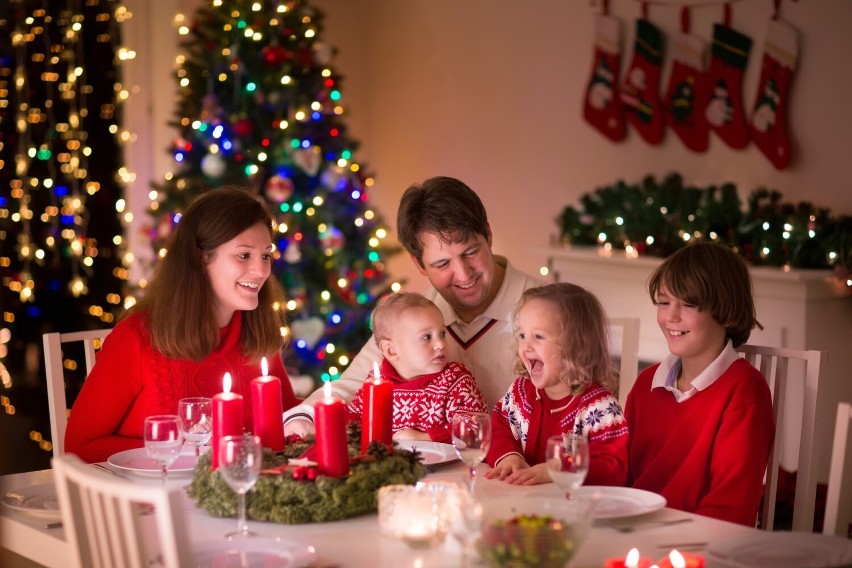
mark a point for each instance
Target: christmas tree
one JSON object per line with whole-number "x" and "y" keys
{"x": 60, "y": 195}
{"x": 259, "y": 106}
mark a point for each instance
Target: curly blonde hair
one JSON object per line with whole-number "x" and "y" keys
{"x": 583, "y": 337}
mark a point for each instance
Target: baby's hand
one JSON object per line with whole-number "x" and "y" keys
{"x": 410, "y": 434}
{"x": 299, "y": 426}
{"x": 507, "y": 466}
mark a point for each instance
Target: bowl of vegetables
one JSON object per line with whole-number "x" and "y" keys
{"x": 537, "y": 531}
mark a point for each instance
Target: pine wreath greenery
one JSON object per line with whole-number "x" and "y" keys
{"x": 282, "y": 495}
{"x": 657, "y": 218}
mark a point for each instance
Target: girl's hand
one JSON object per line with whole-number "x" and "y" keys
{"x": 506, "y": 467}
{"x": 410, "y": 434}
{"x": 529, "y": 476}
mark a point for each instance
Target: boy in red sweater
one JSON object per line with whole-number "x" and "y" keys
{"x": 427, "y": 389}
{"x": 701, "y": 423}
{"x": 564, "y": 386}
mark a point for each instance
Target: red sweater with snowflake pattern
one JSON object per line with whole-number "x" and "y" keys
{"x": 525, "y": 418}
{"x": 428, "y": 402}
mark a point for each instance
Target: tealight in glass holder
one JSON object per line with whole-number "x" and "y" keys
{"x": 412, "y": 515}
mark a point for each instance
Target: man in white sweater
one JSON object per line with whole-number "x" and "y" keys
{"x": 443, "y": 226}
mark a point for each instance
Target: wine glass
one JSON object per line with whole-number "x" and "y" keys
{"x": 196, "y": 423}
{"x": 471, "y": 438}
{"x": 240, "y": 460}
{"x": 568, "y": 461}
{"x": 163, "y": 440}
{"x": 465, "y": 520}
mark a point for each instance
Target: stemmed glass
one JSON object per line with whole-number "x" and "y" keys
{"x": 471, "y": 438}
{"x": 465, "y": 521}
{"x": 240, "y": 460}
{"x": 568, "y": 461}
{"x": 196, "y": 422}
{"x": 163, "y": 440}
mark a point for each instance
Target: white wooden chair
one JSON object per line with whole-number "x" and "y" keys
{"x": 54, "y": 367}
{"x": 838, "y": 502}
{"x": 627, "y": 330}
{"x": 773, "y": 363}
{"x": 107, "y": 522}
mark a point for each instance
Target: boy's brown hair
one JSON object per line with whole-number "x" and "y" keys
{"x": 715, "y": 279}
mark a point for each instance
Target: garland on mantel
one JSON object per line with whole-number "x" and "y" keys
{"x": 656, "y": 219}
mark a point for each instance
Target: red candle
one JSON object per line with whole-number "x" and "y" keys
{"x": 632, "y": 560}
{"x": 227, "y": 416}
{"x": 677, "y": 559}
{"x": 267, "y": 409}
{"x": 332, "y": 452}
{"x": 377, "y": 415}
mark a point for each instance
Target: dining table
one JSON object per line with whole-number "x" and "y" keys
{"x": 357, "y": 541}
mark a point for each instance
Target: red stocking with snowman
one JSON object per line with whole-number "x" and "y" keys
{"x": 769, "y": 119}
{"x": 601, "y": 108}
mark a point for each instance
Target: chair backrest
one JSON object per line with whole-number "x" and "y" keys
{"x": 107, "y": 519}
{"x": 54, "y": 366}
{"x": 773, "y": 363}
{"x": 627, "y": 330}
{"x": 838, "y": 502}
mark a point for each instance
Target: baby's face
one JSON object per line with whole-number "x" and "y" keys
{"x": 419, "y": 340}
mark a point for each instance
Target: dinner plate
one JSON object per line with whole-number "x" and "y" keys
{"x": 432, "y": 453}
{"x": 618, "y": 502}
{"x": 251, "y": 552}
{"x": 137, "y": 462}
{"x": 781, "y": 550}
{"x": 39, "y": 501}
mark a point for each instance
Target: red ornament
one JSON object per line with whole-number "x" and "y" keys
{"x": 243, "y": 127}
{"x": 278, "y": 188}
{"x": 275, "y": 55}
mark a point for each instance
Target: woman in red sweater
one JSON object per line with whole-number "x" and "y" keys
{"x": 211, "y": 308}
{"x": 564, "y": 386}
{"x": 701, "y": 423}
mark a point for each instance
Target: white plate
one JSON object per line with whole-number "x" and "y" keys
{"x": 39, "y": 501}
{"x": 781, "y": 550}
{"x": 260, "y": 552}
{"x": 137, "y": 462}
{"x": 618, "y": 502}
{"x": 432, "y": 453}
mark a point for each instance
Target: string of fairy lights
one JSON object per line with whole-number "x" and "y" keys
{"x": 46, "y": 92}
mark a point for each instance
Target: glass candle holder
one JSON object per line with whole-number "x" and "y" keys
{"x": 411, "y": 514}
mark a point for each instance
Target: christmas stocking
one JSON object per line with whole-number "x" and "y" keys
{"x": 769, "y": 120}
{"x": 601, "y": 108}
{"x": 686, "y": 95}
{"x": 724, "y": 111}
{"x": 640, "y": 91}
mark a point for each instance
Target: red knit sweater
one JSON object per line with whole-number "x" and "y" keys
{"x": 428, "y": 402}
{"x": 131, "y": 381}
{"x": 525, "y": 418}
{"x": 707, "y": 454}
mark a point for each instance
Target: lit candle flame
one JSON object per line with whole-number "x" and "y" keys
{"x": 226, "y": 383}
{"x": 632, "y": 560}
{"x": 677, "y": 560}
{"x": 326, "y": 390}
{"x": 264, "y": 366}
{"x": 377, "y": 376}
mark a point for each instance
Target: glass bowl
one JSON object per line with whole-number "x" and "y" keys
{"x": 543, "y": 532}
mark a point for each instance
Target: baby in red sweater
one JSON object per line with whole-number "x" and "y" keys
{"x": 701, "y": 422}
{"x": 427, "y": 389}
{"x": 564, "y": 386}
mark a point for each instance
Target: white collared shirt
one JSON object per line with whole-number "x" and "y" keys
{"x": 666, "y": 374}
